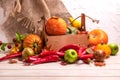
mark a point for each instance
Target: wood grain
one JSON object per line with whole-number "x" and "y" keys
{"x": 50, "y": 71}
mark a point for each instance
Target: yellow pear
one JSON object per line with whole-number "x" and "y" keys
{"x": 75, "y": 23}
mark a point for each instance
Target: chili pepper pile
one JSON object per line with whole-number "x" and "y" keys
{"x": 54, "y": 56}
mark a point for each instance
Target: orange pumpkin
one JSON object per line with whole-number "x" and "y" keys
{"x": 56, "y": 26}
{"x": 97, "y": 36}
{"x": 33, "y": 41}
{"x": 105, "y": 48}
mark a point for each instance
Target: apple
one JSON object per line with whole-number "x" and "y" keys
{"x": 71, "y": 56}
{"x": 114, "y": 48}
{"x": 27, "y": 52}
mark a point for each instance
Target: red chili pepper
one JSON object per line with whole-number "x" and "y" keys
{"x": 82, "y": 51}
{"x": 93, "y": 47}
{"x": 70, "y": 46}
{"x": 32, "y": 58}
{"x": 47, "y": 53}
{"x": 82, "y": 54}
{"x": 50, "y": 58}
{"x": 87, "y": 61}
{"x": 86, "y": 56}
{"x": 14, "y": 55}
{"x": 60, "y": 54}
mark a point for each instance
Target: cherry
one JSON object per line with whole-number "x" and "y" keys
{"x": 9, "y": 46}
{"x": 0, "y": 42}
{"x": 14, "y": 40}
{"x": 16, "y": 44}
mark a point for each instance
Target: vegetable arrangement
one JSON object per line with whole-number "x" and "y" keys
{"x": 29, "y": 56}
{"x": 68, "y": 54}
{"x": 30, "y": 47}
{"x": 51, "y": 56}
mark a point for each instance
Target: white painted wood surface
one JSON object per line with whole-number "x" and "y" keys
{"x": 56, "y": 71}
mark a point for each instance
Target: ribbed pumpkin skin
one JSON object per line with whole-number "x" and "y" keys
{"x": 32, "y": 39}
{"x": 56, "y": 26}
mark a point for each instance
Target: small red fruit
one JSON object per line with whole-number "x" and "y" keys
{"x": 14, "y": 40}
{"x": 16, "y": 45}
{"x": 0, "y": 42}
{"x": 9, "y": 46}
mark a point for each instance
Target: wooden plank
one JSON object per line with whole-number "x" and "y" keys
{"x": 60, "y": 78}
{"x": 60, "y": 73}
{"x": 57, "y": 66}
{"x": 57, "y": 42}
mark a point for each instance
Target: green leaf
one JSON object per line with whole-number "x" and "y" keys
{"x": 3, "y": 46}
{"x": 22, "y": 37}
{"x": 17, "y": 36}
{"x": 71, "y": 30}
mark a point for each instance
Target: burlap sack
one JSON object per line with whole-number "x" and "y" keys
{"x": 29, "y": 16}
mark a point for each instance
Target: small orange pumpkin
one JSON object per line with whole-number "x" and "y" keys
{"x": 56, "y": 26}
{"x": 33, "y": 41}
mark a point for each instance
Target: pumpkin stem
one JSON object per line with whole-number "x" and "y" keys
{"x": 55, "y": 17}
{"x": 35, "y": 45}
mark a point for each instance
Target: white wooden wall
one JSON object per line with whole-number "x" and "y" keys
{"x": 107, "y": 11}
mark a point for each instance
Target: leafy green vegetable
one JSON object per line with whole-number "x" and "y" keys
{"x": 17, "y": 36}
{"x": 71, "y": 30}
{"x": 22, "y": 37}
{"x": 3, "y": 46}
{"x": 19, "y": 39}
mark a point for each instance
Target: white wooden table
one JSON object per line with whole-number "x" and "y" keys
{"x": 56, "y": 71}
